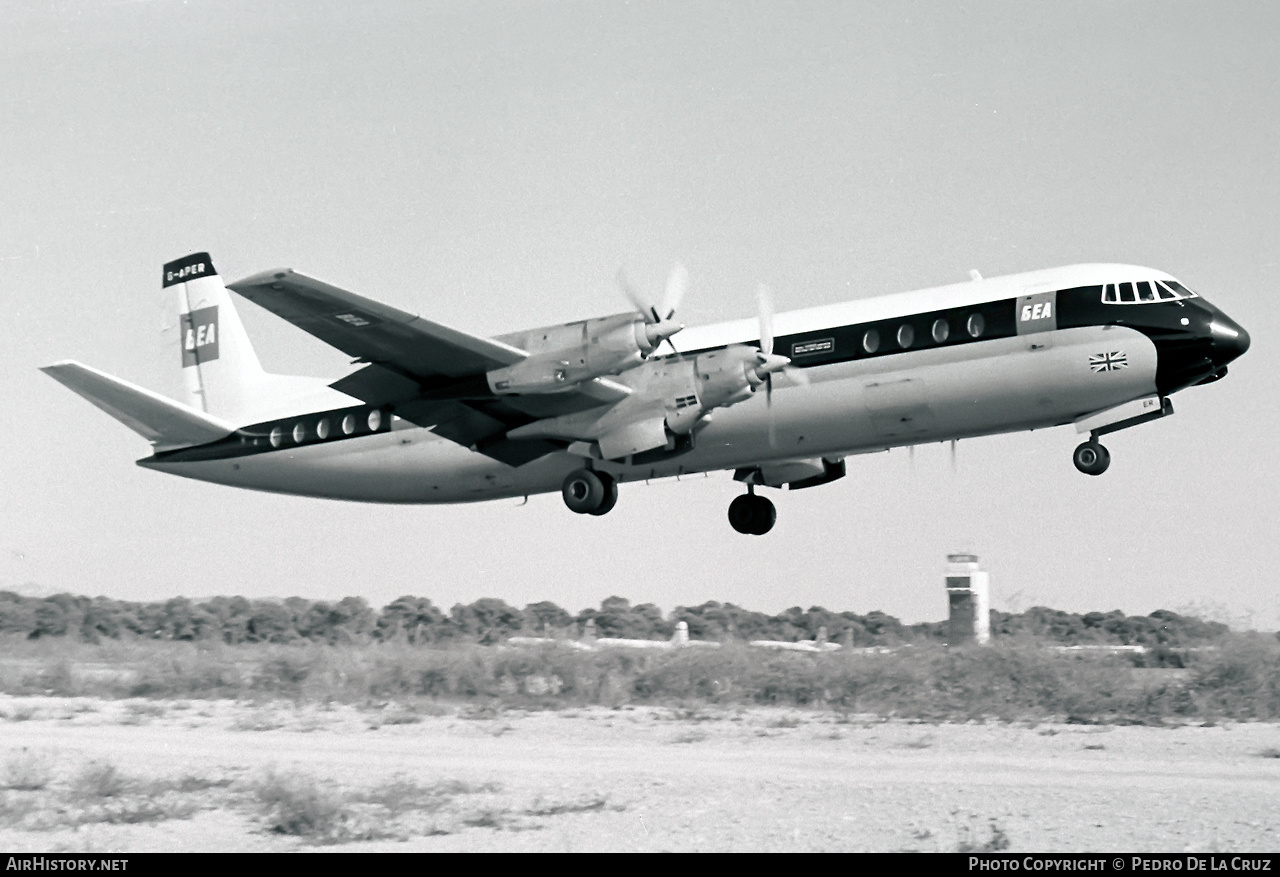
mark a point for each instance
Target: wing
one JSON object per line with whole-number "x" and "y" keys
{"x": 434, "y": 375}
{"x": 374, "y": 332}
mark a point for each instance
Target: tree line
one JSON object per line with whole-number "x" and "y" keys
{"x": 417, "y": 620}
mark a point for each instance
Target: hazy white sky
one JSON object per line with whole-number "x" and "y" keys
{"x": 491, "y": 164}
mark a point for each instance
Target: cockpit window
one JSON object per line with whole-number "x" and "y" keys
{"x": 1144, "y": 291}
{"x": 1180, "y": 290}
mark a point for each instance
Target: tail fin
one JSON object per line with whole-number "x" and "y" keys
{"x": 221, "y": 371}
{"x": 163, "y": 422}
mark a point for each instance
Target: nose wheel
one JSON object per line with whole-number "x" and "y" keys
{"x": 589, "y": 493}
{"x": 1091, "y": 458}
{"x": 751, "y": 514}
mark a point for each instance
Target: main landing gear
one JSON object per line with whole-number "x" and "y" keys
{"x": 752, "y": 514}
{"x": 588, "y": 492}
{"x": 1091, "y": 458}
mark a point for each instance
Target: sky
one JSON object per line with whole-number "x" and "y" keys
{"x": 491, "y": 165}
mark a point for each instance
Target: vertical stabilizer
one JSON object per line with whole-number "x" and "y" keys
{"x": 222, "y": 374}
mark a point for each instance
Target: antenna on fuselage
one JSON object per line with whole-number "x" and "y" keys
{"x": 974, "y": 274}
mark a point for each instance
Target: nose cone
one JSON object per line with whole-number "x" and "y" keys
{"x": 1230, "y": 340}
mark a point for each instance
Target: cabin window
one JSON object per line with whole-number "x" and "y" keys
{"x": 349, "y": 424}
{"x": 1126, "y": 293}
{"x": 976, "y": 325}
{"x": 277, "y": 436}
{"x": 871, "y": 341}
{"x": 299, "y": 432}
{"x": 906, "y": 335}
{"x": 375, "y": 419}
{"x": 1164, "y": 293}
{"x": 1109, "y": 294}
{"x": 1145, "y": 292}
{"x": 941, "y": 329}
{"x": 322, "y": 428}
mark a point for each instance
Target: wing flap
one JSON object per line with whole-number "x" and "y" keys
{"x": 168, "y": 425}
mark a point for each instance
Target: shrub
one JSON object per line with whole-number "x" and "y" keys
{"x": 27, "y": 772}
{"x": 297, "y": 805}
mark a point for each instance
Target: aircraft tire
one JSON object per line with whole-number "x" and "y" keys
{"x": 610, "y": 494}
{"x": 742, "y": 514}
{"x": 764, "y": 516}
{"x": 583, "y": 491}
{"x": 1091, "y": 458}
{"x": 752, "y": 515}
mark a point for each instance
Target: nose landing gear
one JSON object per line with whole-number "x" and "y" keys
{"x": 1091, "y": 458}
{"x": 589, "y": 493}
{"x": 751, "y": 514}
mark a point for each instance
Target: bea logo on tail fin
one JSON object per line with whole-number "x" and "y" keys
{"x": 199, "y": 336}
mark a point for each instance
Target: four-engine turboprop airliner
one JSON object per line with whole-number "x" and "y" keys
{"x": 436, "y": 415}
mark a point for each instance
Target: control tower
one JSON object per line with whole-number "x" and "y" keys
{"x": 968, "y": 594}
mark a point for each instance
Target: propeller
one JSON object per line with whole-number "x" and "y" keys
{"x": 767, "y": 361}
{"x": 659, "y": 320}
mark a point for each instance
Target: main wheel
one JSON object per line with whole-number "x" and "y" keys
{"x": 742, "y": 513}
{"x": 1091, "y": 458}
{"x": 610, "y": 494}
{"x": 752, "y": 514}
{"x": 765, "y": 516}
{"x": 583, "y": 491}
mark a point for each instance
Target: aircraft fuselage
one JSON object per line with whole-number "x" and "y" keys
{"x": 1005, "y": 354}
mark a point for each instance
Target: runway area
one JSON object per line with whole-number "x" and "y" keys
{"x": 629, "y": 779}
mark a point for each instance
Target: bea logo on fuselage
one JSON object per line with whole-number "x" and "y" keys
{"x": 199, "y": 336}
{"x": 1039, "y": 311}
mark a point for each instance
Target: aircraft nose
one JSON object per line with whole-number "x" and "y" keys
{"x": 1230, "y": 340}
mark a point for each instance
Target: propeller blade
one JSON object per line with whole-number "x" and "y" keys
{"x": 797, "y": 375}
{"x": 654, "y": 312}
{"x": 764, "y": 310}
{"x": 637, "y": 300}
{"x": 677, "y": 286}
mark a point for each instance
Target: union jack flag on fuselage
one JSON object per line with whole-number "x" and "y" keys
{"x": 1105, "y": 362}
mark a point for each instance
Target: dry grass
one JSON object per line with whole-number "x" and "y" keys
{"x": 26, "y": 771}
{"x": 1008, "y": 681}
{"x": 97, "y": 793}
{"x": 971, "y": 841}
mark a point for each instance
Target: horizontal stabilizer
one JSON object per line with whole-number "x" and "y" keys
{"x": 166, "y": 424}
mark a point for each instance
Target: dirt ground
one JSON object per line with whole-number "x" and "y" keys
{"x": 635, "y": 778}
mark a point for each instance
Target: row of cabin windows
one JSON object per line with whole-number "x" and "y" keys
{"x": 323, "y": 428}
{"x": 1144, "y": 291}
{"x": 940, "y": 330}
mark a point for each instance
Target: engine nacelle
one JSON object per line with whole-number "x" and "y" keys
{"x": 563, "y": 356}
{"x": 726, "y": 377}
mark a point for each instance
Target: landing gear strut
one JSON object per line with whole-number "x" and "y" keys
{"x": 589, "y": 493}
{"x": 752, "y": 514}
{"x": 1091, "y": 458}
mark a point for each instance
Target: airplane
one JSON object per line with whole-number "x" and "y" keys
{"x": 437, "y": 415}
